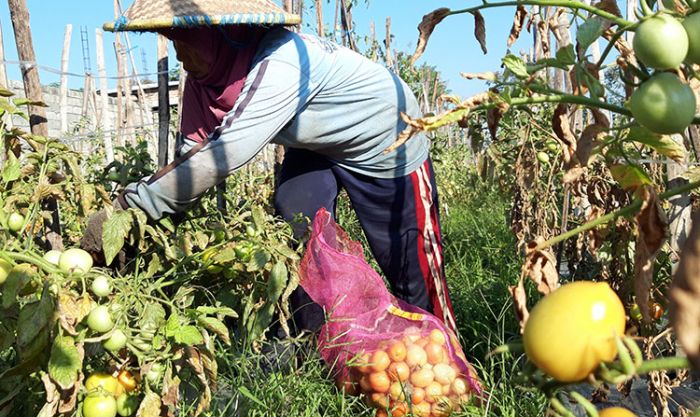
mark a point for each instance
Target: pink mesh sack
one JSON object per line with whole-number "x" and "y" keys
{"x": 399, "y": 356}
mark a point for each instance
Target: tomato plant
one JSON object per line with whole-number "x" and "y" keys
{"x": 53, "y": 256}
{"x": 573, "y": 329}
{"x": 99, "y": 405}
{"x": 653, "y": 38}
{"x": 127, "y": 380}
{"x": 663, "y": 104}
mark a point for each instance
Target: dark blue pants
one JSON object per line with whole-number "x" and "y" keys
{"x": 399, "y": 217}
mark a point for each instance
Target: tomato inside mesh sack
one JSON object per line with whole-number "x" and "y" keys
{"x": 378, "y": 345}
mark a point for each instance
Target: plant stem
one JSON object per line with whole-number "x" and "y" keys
{"x": 564, "y": 98}
{"x": 663, "y": 364}
{"x": 34, "y": 260}
{"x": 570, "y": 4}
{"x": 624, "y": 211}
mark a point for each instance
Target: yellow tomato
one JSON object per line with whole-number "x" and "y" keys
{"x": 616, "y": 412}
{"x": 103, "y": 382}
{"x": 572, "y": 330}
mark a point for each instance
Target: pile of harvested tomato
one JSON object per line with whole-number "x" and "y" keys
{"x": 414, "y": 373}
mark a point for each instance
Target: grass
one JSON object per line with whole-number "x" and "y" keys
{"x": 480, "y": 261}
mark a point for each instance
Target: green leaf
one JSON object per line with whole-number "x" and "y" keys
{"x": 172, "y": 325}
{"x": 223, "y": 311}
{"x": 284, "y": 250}
{"x": 16, "y": 280}
{"x": 630, "y": 177}
{"x": 188, "y": 336}
{"x": 277, "y": 281}
{"x": 216, "y": 326}
{"x": 6, "y": 93}
{"x": 589, "y": 32}
{"x": 566, "y": 55}
{"x": 663, "y": 144}
{"x": 258, "y": 261}
{"x": 153, "y": 266}
{"x": 7, "y": 333}
{"x": 13, "y": 169}
{"x": 33, "y": 318}
{"x": 152, "y": 317}
{"x": 114, "y": 231}
{"x": 516, "y": 65}
{"x": 246, "y": 393}
{"x": 65, "y": 361}
{"x": 259, "y": 217}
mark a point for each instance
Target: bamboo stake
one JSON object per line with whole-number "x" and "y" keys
{"x": 30, "y": 74}
{"x": 163, "y": 101}
{"x": 335, "y": 23}
{"x": 64, "y": 78}
{"x": 7, "y": 119}
{"x": 387, "y": 44}
{"x": 105, "y": 121}
{"x": 319, "y": 18}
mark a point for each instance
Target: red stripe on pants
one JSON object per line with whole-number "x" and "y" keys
{"x": 430, "y": 247}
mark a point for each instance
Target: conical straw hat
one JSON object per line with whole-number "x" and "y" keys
{"x": 145, "y": 15}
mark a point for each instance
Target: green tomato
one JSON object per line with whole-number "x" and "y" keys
{"x": 692, "y": 28}
{"x": 101, "y": 286}
{"x": 661, "y": 42}
{"x": 116, "y": 341}
{"x": 53, "y": 256}
{"x": 75, "y": 261}
{"x": 15, "y": 222}
{"x": 663, "y": 104}
{"x": 155, "y": 373}
{"x": 99, "y": 319}
{"x": 543, "y": 157}
{"x": 552, "y": 146}
{"x": 97, "y": 405}
{"x": 127, "y": 405}
{"x": 243, "y": 250}
{"x": 250, "y": 231}
{"x": 5, "y": 268}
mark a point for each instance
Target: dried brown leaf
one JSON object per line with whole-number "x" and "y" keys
{"x": 69, "y": 397}
{"x": 486, "y": 76}
{"x": 560, "y": 125}
{"x": 72, "y": 311}
{"x": 53, "y": 396}
{"x": 600, "y": 117}
{"x": 517, "y": 292}
{"x": 609, "y": 6}
{"x": 480, "y": 30}
{"x": 518, "y": 21}
{"x": 573, "y": 175}
{"x": 541, "y": 267}
{"x": 197, "y": 362}
{"x": 652, "y": 228}
{"x": 590, "y": 138}
{"x": 150, "y": 405}
{"x": 425, "y": 29}
{"x": 684, "y": 296}
{"x": 493, "y": 117}
{"x": 171, "y": 393}
{"x": 543, "y": 37}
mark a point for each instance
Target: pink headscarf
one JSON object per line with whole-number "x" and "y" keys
{"x": 229, "y": 53}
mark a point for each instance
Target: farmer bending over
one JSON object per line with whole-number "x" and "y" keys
{"x": 335, "y": 111}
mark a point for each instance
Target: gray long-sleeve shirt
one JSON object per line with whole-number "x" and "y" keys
{"x": 302, "y": 92}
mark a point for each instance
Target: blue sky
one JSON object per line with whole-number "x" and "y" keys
{"x": 452, "y": 47}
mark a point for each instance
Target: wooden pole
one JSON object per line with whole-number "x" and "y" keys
{"x": 319, "y": 17}
{"x": 387, "y": 43}
{"x": 163, "y": 101}
{"x": 7, "y": 119}
{"x": 105, "y": 121}
{"x": 335, "y": 23}
{"x": 346, "y": 17}
{"x": 64, "y": 78}
{"x": 30, "y": 73}
{"x": 372, "y": 41}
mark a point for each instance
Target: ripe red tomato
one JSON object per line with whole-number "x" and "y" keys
{"x": 572, "y": 330}
{"x": 663, "y": 104}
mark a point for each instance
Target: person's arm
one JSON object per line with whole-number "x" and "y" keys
{"x": 269, "y": 100}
